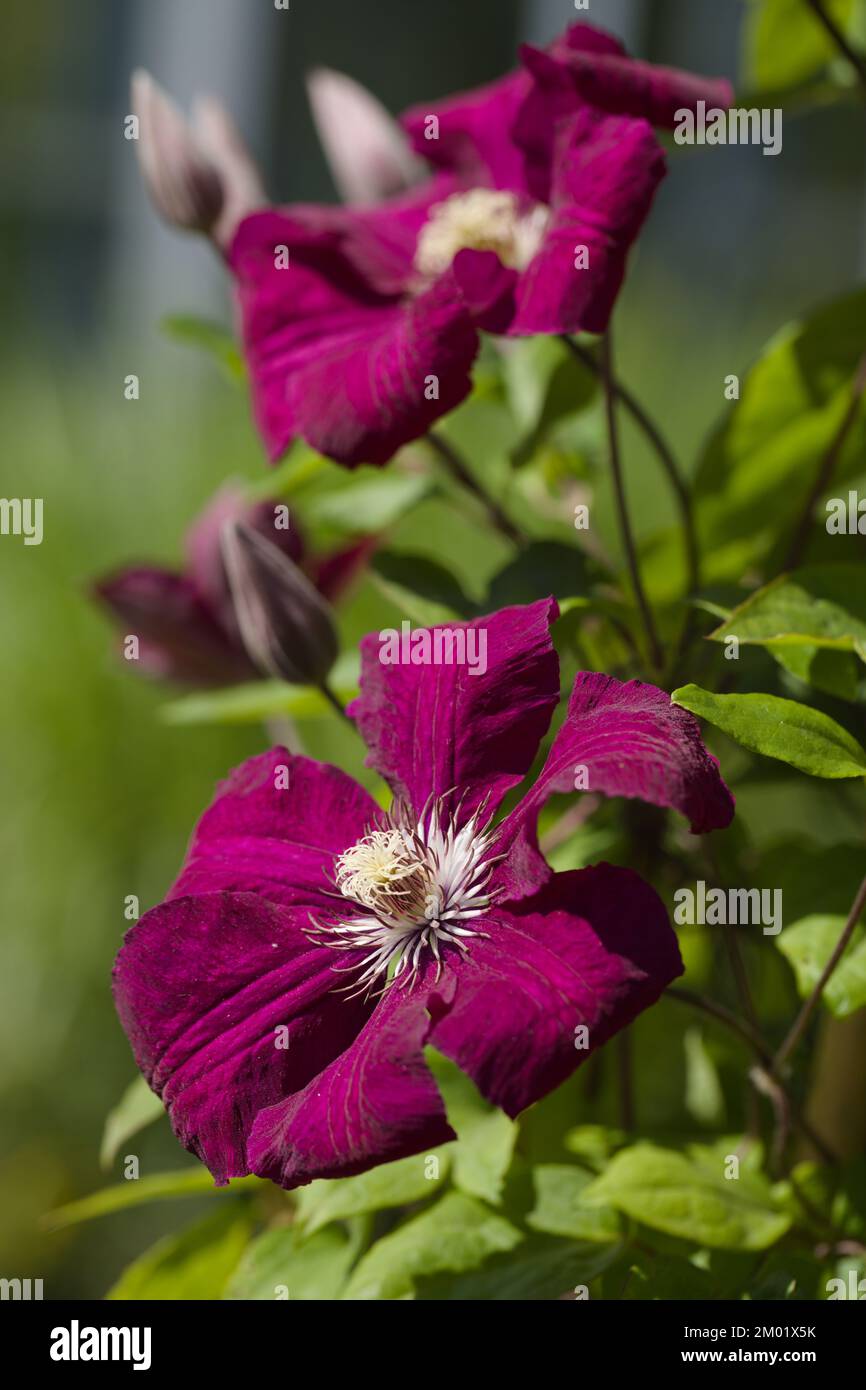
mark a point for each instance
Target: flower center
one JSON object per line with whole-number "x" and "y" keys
{"x": 418, "y": 885}
{"x": 484, "y": 219}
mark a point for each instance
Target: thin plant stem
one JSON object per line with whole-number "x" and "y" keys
{"x": 458, "y": 470}
{"x": 754, "y": 1040}
{"x": 857, "y": 60}
{"x": 334, "y": 700}
{"x": 625, "y": 1077}
{"x": 663, "y": 451}
{"x": 801, "y": 1022}
{"x": 827, "y": 467}
{"x": 622, "y": 505}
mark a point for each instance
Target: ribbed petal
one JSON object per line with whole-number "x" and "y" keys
{"x": 202, "y": 986}
{"x": 434, "y": 728}
{"x": 593, "y": 949}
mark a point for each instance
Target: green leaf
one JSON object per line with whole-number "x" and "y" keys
{"x": 545, "y": 385}
{"x": 797, "y": 734}
{"x": 689, "y": 1197}
{"x": 196, "y": 1264}
{"x": 819, "y": 606}
{"x": 704, "y": 1097}
{"x": 784, "y": 43}
{"x": 189, "y": 1182}
{"x": 211, "y": 337}
{"x": 395, "y": 1184}
{"x": 836, "y": 673}
{"x": 366, "y": 504}
{"x": 260, "y": 700}
{"x": 281, "y": 1265}
{"x": 456, "y": 1234}
{"x": 482, "y": 1153}
{"x": 542, "y": 568}
{"x": 542, "y": 1267}
{"x": 422, "y": 589}
{"x": 757, "y": 471}
{"x": 138, "y": 1107}
{"x": 298, "y": 468}
{"x": 559, "y": 1208}
{"x": 808, "y": 945}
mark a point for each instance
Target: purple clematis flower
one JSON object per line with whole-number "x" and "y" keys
{"x": 186, "y": 622}
{"x": 361, "y": 324}
{"x": 280, "y": 999}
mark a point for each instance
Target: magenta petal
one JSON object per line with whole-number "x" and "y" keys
{"x": 384, "y": 381}
{"x": 179, "y": 637}
{"x": 605, "y": 174}
{"x": 354, "y": 371}
{"x": 594, "y": 948}
{"x": 375, "y": 1103}
{"x": 621, "y": 739}
{"x": 432, "y": 728}
{"x": 202, "y": 986}
{"x": 261, "y": 837}
{"x": 473, "y": 136}
{"x": 629, "y": 87}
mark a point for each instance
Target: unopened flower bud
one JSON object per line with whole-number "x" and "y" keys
{"x": 242, "y": 184}
{"x": 369, "y": 155}
{"x": 285, "y": 624}
{"x": 184, "y": 183}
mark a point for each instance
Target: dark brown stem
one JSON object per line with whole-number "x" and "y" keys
{"x": 458, "y": 470}
{"x": 622, "y": 505}
{"x": 662, "y": 449}
{"x": 801, "y": 1022}
{"x": 857, "y": 60}
{"x": 827, "y": 468}
{"x": 334, "y": 700}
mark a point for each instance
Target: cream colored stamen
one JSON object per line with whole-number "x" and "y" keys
{"x": 484, "y": 219}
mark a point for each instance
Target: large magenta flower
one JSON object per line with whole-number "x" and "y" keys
{"x": 361, "y": 324}
{"x": 186, "y": 621}
{"x": 280, "y": 999}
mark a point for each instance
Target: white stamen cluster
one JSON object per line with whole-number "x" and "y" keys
{"x": 484, "y": 219}
{"x": 420, "y": 884}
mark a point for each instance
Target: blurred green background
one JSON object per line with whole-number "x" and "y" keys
{"x": 99, "y": 794}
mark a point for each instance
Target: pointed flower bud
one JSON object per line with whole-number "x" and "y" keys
{"x": 184, "y": 184}
{"x": 285, "y": 624}
{"x": 242, "y": 184}
{"x": 368, "y": 153}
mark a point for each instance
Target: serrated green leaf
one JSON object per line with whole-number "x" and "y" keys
{"x": 796, "y": 734}
{"x": 559, "y": 1208}
{"x": 396, "y": 1184}
{"x": 280, "y": 1265}
{"x": 196, "y": 1264}
{"x": 691, "y": 1199}
{"x": 808, "y": 945}
{"x": 189, "y": 1182}
{"x": 137, "y": 1108}
{"x": 456, "y": 1234}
